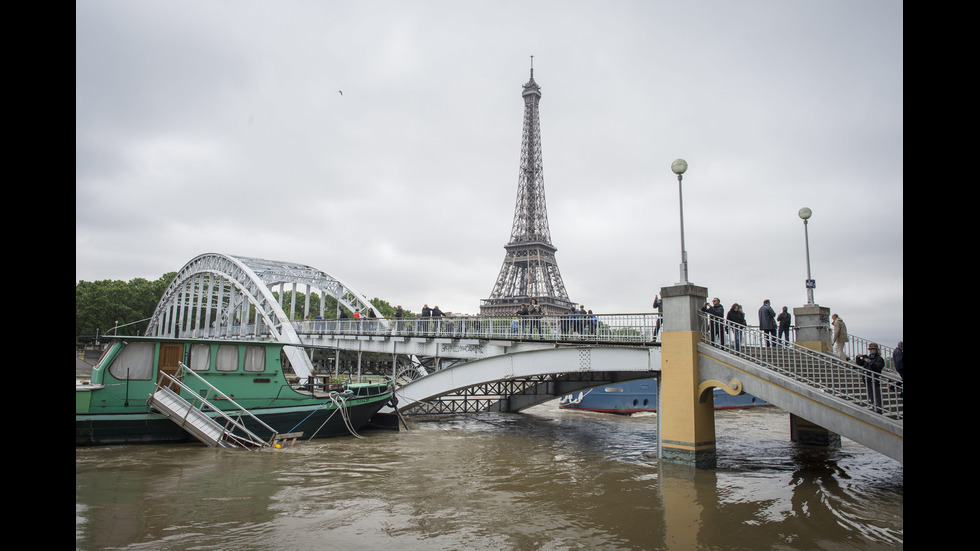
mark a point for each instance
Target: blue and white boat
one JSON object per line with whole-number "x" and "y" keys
{"x": 641, "y": 396}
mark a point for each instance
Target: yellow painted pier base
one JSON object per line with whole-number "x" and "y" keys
{"x": 687, "y": 423}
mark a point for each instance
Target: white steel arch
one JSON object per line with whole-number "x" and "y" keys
{"x": 218, "y": 295}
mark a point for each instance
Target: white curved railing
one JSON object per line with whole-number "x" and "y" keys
{"x": 624, "y": 328}
{"x": 635, "y": 328}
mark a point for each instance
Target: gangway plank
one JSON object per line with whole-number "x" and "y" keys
{"x": 193, "y": 416}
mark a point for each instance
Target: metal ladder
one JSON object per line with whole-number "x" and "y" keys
{"x": 192, "y": 416}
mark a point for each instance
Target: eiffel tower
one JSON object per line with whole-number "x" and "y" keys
{"x": 529, "y": 269}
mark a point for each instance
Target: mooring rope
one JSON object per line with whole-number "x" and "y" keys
{"x": 342, "y": 408}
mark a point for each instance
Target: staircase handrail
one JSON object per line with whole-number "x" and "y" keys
{"x": 827, "y": 372}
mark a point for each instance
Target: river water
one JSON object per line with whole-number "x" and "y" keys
{"x": 545, "y": 479}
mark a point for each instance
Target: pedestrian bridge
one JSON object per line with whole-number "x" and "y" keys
{"x": 470, "y": 364}
{"x": 473, "y": 363}
{"x": 817, "y": 387}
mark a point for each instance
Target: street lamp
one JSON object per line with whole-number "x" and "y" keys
{"x": 680, "y": 167}
{"x": 805, "y": 214}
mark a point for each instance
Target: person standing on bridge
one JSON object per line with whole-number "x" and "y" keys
{"x": 840, "y": 336}
{"x": 659, "y": 305}
{"x": 873, "y": 363}
{"x": 736, "y": 318}
{"x": 372, "y": 320}
{"x": 399, "y": 314}
{"x": 767, "y": 322}
{"x": 785, "y": 319}
{"x": 341, "y": 318}
{"x": 437, "y": 314}
{"x": 535, "y": 312}
{"x": 426, "y": 313}
{"x": 898, "y": 356}
{"x": 718, "y": 311}
{"x": 522, "y": 313}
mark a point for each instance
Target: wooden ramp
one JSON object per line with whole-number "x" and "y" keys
{"x": 217, "y": 429}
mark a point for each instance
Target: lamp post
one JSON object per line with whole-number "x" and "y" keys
{"x": 680, "y": 167}
{"x": 805, "y": 213}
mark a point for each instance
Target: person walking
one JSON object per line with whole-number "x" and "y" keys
{"x": 873, "y": 363}
{"x": 785, "y": 319}
{"x": 840, "y": 336}
{"x": 767, "y": 322}
{"x": 736, "y": 318}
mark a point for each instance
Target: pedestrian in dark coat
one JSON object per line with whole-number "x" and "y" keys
{"x": 736, "y": 318}
{"x": 718, "y": 311}
{"x": 898, "y": 356}
{"x": 767, "y": 322}
{"x": 873, "y": 363}
{"x": 785, "y": 319}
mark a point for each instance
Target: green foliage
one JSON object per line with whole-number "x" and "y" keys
{"x": 101, "y": 305}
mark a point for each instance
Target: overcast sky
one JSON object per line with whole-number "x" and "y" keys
{"x": 220, "y": 126}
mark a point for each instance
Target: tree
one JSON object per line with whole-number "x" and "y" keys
{"x": 101, "y": 305}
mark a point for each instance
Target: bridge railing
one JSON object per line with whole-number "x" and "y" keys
{"x": 880, "y": 392}
{"x": 630, "y": 328}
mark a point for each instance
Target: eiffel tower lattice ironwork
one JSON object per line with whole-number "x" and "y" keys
{"x": 530, "y": 270}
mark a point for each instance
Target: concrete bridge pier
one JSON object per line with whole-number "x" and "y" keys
{"x": 685, "y": 420}
{"x": 813, "y": 332}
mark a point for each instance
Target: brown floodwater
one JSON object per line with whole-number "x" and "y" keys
{"x": 546, "y": 479}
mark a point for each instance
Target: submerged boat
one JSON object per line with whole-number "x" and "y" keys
{"x": 224, "y": 393}
{"x": 641, "y": 396}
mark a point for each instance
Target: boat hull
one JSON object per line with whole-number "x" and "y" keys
{"x": 641, "y": 397}
{"x": 153, "y": 428}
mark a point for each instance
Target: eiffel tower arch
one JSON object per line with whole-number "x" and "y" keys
{"x": 530, "y": 270}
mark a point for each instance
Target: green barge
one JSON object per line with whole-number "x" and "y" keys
{"x": 239, "y": 383}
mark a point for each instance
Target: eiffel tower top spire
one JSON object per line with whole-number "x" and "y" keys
{"x": 529, "y": 270}
{"x": 531, "y": 213}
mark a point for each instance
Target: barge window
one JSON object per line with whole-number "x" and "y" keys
{"x": 254, "y": 358}
{"x": 134, "y": 362}
{"x": 200, "y": 358}
{"x": 227, "y": 358}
